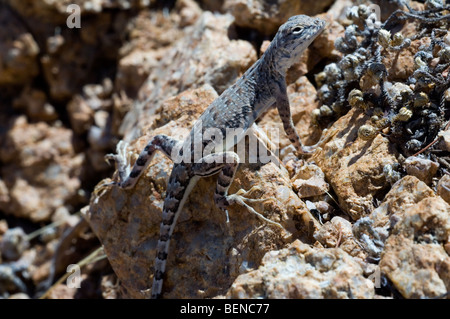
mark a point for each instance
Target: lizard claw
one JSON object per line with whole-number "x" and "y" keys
{"x": 242, "y": 193}
{"x": 238, "y": 199}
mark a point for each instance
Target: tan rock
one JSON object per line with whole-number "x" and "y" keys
{"x": 40, "y": 170}
{"x": 405, "y": 193}
{"x": 18, "y": 51}
{"x": 309, "y": 181}
{"x": 134, "y": 216}
{"x": 267, "y": 16}
{"x": 443, "y": 188}
{"x": 354, "y": 166}
{"x": 56, "y": 11}
{"x": 80, "y": 114}
{"x": 62, "y": 291}
{"x": 414, "y": 258}
{"x": 152, "y": 34}
{"x": 338, "y": 233}
{"x": 372, "y": 231}
{"x": 444, "y": 143}
{"x": 34, "y": 103}
{"x": 204, "y": 55}
{"x": 300, "y": 271}
{"x": 400, "y": 65}
{"x": 19, "y": 295}
{"x": 71, "y": 59}
{"x": 3, "y": 227}
{"x": 424, "y": 169}
{"x": 323, "y": 45}
{"x": 134, "y": 68}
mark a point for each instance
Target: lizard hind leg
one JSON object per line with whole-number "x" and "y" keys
{"x": 226, "y": 164}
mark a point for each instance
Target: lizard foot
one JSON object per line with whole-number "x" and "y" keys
{"x": 122, "y": 160}
{"x": 239, "y": 199}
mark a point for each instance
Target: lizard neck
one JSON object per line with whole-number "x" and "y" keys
{"x": 276, "y": 59}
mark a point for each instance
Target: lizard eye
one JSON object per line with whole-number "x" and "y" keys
{"x": 296, "y": 30}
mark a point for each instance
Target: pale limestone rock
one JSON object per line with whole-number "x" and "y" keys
{"x": 414, "y": 258}
{"x": 373, "y": 230}
{"x": 309, "y": 181}
{"x": 424, "y": 169}
{"x": 300, "y": 271}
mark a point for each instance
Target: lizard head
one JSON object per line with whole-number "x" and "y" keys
{"x": 292, "y": 38}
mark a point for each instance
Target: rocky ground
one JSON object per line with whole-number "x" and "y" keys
{"x": 366, "y": 216}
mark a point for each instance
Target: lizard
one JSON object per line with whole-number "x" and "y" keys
{"x": 262, "y": 86}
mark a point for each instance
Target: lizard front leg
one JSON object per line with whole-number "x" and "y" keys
{"x": 127, "y": 178}
{"x": 226, "y": 164}
{"x": 282, "y": 102}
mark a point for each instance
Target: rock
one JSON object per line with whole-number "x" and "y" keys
{"x": 18, "y": 51}
{"x": 444, "y": 143}
{"x": 266, "y": 16}
{"x": 81, "y": 115}
{"x": 3, "y": 227}
{"x": 338, "y": 233}
{"x": 414, "y": 258}
{"x": 67, "y": 65}
{"x": 56, "y": 12}
{"x": 373, "y": 230}
{"x": 423, "y": 169}
{"x": 204, "y": 55}
{"x": 354, "y": 166}
{"x": 134, "y": 68}
{"x": 443, "y": 188}
{"x": 134, "y": 216}
{"x": 300, "y": 271}
{"x": 151, "y": 35}
{"x": 405, "y": 193}
{"x": 35, "y": 104}
{"x": 338, "y": 10}
{"x": 69, "y": 59}
{"x": 13, "y": 243}
{"x": 323, "y": 45}
{"x": 40, "y": 170}
{"x": 400, "y": 65}
{"x": 309, "y": 181}
{"x": 92, "y": 113}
